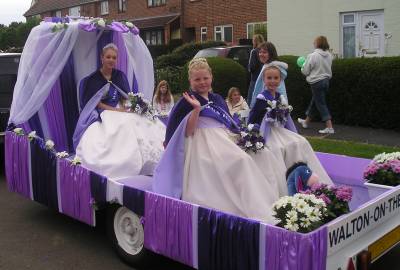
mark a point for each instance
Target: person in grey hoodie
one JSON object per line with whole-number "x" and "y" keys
{"x": 318, "y": 70}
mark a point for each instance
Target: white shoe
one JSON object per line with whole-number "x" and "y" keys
{"x": 302, "y": 122}
{"x": 327, "y": 131}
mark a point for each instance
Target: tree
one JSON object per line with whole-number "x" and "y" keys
{"x": 16, "y": 33}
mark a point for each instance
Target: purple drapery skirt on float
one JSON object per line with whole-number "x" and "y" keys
{"x": 17, "y": 164}
{"x": 168, "y": 226}
{"x": 75, "y": 198}
{"x": 286, "y": 250}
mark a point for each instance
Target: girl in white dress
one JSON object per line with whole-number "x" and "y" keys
{"x": 108, "y": 139}
{"x": 286, "y": 144}
{"x": 204, "y": 165}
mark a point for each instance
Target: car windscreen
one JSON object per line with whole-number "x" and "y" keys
{"x": 207, "y": 53}
{"x": 7, "y": 82}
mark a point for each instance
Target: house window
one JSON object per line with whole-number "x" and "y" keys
{"x": 121, "y": 5}
{"x": 155, "y": 3}
{"x": 223, "y": 33}
{"x": 75, "y": 11}
{"x": 349, "y": 35}
{"x": 58, "y": 13}
{"x": 154, "y": 37}
{"x": 104, "y": 7}
{"x": 203, "y": 34}
{"x": 256, "y": 28}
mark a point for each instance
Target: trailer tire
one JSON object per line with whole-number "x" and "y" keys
{"x": 126, "y": 234}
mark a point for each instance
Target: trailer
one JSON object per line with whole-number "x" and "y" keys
{"x": 140, "y": 221}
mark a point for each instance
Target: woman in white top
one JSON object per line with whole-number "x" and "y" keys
{"x": 163, "y": 100}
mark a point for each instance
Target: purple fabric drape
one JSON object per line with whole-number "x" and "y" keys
{"x": 168, "y": 175}
{"x": 17, "y": 163}
{"x": 69, "y": 100}
{"x": 122, "y": 62}
{"x": 289, "y": 250}
{"x": 227, "y": 242}
{"x": 75, "y": 191}
{"x": 168, "y": 227}
{"x": 55, "y": 118}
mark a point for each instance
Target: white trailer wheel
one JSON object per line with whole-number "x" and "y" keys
{"x": 128, "y": 231}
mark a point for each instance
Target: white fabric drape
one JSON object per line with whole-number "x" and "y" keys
{"x": 42, "y": 61}
{"x": 141, "y": 63}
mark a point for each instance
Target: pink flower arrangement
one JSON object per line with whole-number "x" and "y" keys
{"x": 384, "y": 169}
{"x": 336, "y": 198}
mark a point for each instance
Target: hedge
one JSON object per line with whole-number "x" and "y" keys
{"x": 226, "y": 74}
{"x": 363, "y": 91}
{"x": 182, "y": 54}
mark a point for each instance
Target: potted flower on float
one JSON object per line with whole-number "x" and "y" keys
{"x": 383, "y": 173}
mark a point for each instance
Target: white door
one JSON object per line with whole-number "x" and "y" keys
{"x": 371, "y": 34}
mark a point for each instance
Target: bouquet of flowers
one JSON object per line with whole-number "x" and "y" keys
{"x": 138, "y": 104}
{"x": 336, "y": 198}
{"x": 300, "y": 213}
{"x": 278, "y": 111}
{"x": 250, "y": 138}
{"x": 384, "y": 169}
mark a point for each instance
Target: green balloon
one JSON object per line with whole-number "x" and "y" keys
{"x": 301, "y": 61}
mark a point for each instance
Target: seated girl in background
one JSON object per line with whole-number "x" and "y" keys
{"x": 269, "y": 56}
{"x": 278, "y": 129}
{"x": 203, "y": 164}
{"x": 163, "y": 100}
{"x": 235, "y": 101}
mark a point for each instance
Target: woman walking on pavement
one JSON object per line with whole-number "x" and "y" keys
{"x": 318, "y": 69}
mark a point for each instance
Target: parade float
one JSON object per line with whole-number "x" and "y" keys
{"x": 41, "y": 166}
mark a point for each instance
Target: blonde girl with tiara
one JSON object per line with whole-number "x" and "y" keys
{"x": 202, "y": 163}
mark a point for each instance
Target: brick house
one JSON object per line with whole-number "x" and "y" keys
{"x": 163, "y": 20}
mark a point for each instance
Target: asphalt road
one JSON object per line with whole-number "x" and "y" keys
{"x": 35, "y": 237}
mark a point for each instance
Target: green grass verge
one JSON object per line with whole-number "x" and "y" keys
{"x": 349, "y": 148}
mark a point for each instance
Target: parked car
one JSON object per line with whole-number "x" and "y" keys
{"x": 240, "y": 53}
{"x": 9, "y": 63}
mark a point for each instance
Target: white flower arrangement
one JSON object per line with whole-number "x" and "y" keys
{"x": 278, "y": 111}
{"x": 18, "y": 131}
{"x": 76, "y": 161}
{"x": 62, "y": 154}
{"x": 140, "y": 105}
{"x": 32, "y": 135}
{"x": 300, "y": 213}
{"x": 101, "y": 23}
{"x": 49, "y": 144}
{"x": 59, "y": 26}
{"x": 385, "y": 157}
{"x": 129, "y": 24}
